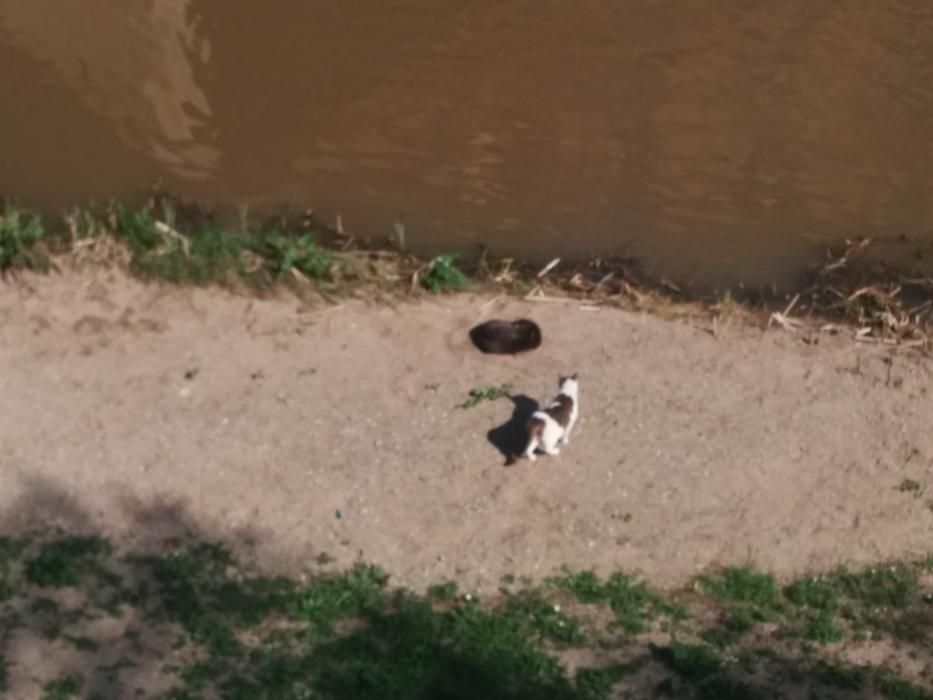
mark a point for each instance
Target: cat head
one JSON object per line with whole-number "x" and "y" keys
{"x": 568, "y": 385}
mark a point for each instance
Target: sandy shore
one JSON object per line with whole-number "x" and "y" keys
{"x": 143, "y": 412}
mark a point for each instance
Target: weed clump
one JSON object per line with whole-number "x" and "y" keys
{"x": 302, "y": 254}
{"x": 632, "y": 602}
{"x": 486, "y": 393}
{"x": 443, "y": 275}
{"x": 20, "y": 232}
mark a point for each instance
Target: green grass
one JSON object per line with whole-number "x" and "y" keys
{"x": 162, "y": 245}
{"x": 285, "y": 254}
{"x": 632, "y": 603}
{"x": 333, "y": 598}
{"x": 11, "y": 550}
{"x": 61, "y": 563}
{"x": 486, "y": 393}
{"x": 544, "y": 619}
{"x": 894, "y": 586}
{"x": 443, "y": 275}
{"x": 232, "y": 633}
{"x": 63, "y": 687}
{"x": 744, "y": 586}
{"x": 20, "y": 232}
{"x": 443, "y": 591}
{"x": 159, "y": 248}
{"x": 747, "y": 597}
{"x": 881, "y": 679}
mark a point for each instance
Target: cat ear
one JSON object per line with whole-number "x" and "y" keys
{"x": 574, "y": 376}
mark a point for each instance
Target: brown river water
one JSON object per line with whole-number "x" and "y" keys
{"x": 721, "y": 141}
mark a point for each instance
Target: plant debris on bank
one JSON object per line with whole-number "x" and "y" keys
{"x": 179, "y": 243}
{"x": 79, "y": 618}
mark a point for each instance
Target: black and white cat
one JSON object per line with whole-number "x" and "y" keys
{"x": 551, "y": 426}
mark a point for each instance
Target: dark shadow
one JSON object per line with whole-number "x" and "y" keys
{"x": 408, "y": 653}
{"x": 106, "y": 619}
{"x": 510, "y": 438}
{"x": 60, "y": 572}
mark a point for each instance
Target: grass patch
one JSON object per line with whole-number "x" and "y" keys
{"x": 63, "y": 687}
{"x": 62, "y": 562}
{"x": 211, "y": 254}
{"x": 745, "y": 586}
{"x": 20, "y": 232}
{"x": 333, "y": 598}
{"x": 486, "y": 393}
{"x": 443, "y": 275}
{"x": 633, "y": 604}
{"x": 234, "y": 634}
{"x": 193, "y": 587}
{"x": 301, "y": 254}
{"x": 894, "y": 586}
{"x": 544, "y": 619}
{"x": 821, "y": 628}
{"x": 443, "y": 591}
{"x": 11, "y": 551}
{"x": 177, "y": 242}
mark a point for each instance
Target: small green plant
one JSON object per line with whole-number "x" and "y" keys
{"x": 137, "y": 228}
{"x": 743, "y": 585}
{"x": 597, "y": 683}
{"x": 752, "y": 597}
{"x": 817, "y": 592}
{"x": 333, "y": 598}
{"x": 285, "y": 254}
{"x": 893, "y": 586}
{"x": 909, "y": 486}
{"x": 399, "y": 236}
{"x": 443, "y": 591}
{"x": 880, "y": 678}
{"x": 821, "y": 628}
{"x": 735, "y": 622}
{"x": 11, "y": 550}
{"x": 211, "y": 256}
{"x": 585, "y": 586}
{"x": 544, "y": 618}
{"x": 63, "y": 687}
{"x": 443, "y": 275}
{"x": 632, "y": 602}
{"x": 486, "y": 393}
{"x": 61, "y": 563}
{"x": 20, "y": 231}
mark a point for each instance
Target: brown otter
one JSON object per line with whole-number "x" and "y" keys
{"x": 506, "y": 337}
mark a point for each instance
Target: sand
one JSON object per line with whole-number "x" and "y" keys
{"x": 298, "y": 433}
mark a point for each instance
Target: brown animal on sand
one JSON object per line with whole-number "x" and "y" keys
{"x": 506, "y": 337}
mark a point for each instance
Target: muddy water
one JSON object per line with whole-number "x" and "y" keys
{"x": 721, "y": 140}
